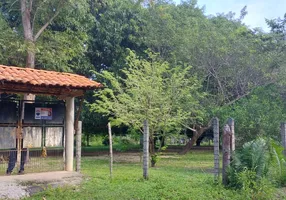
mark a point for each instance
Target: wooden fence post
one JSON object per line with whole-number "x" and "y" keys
{"x": 230, "y": 122}
{"x": 216, "y": 147}
{"x": 110, "y": 149}
{"x": 226, "y": 152}
{"x": 283, "y": 136}
{"x": 78, "y": 145}
{"x": 146, "y": 150}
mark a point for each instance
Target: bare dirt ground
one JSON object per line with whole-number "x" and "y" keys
{"x": 19, "y": 186}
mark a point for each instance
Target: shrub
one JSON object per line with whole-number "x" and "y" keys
{"x": 105, "y": 141}
{"x": 255, "y": 167}
{"x": 254, "y": 188}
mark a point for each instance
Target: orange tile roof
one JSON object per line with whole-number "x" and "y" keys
{"x": 37, "y": 77}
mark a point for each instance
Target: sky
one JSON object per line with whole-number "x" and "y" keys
{"x": 257, "y": 10}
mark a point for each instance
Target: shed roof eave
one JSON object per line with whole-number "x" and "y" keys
{"x": 41, "y": 90}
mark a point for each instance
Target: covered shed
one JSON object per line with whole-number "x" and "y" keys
{"x": 65, "y": 86}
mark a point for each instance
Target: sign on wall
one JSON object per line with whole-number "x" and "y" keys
{"x": 44, "y": 113}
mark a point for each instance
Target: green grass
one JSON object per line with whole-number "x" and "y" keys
{"x": 175, "y": 177}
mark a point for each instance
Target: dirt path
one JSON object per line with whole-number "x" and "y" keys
{"x": 19, "y": 186}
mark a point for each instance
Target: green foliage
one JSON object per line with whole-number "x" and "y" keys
{"x": 118, "y": 26}
{"x": 155, "y": 158}
{"x": 253, "y": 157}
{"x": 256, "y": 167}
{"x": 149, "y": 89}
{"x": 251, "y": 188}
{"x": 278, "y": 174}
{"x": 116, "y": 147}
{"x": 11, "y": 47}
{"x": 258, "y": 114}
{"x": 62, "y": 45}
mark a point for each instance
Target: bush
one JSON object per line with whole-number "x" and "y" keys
{"x": 250, "y": 169}
{"x": 253, "y": 187}
{"x": 278, "y": 174}
{"x": 257, "y": 115}
{"x": 253, "y": 156}
{"x": 105, "y": 141}
{"x": 256, "y": 167}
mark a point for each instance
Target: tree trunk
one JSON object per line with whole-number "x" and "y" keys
{"x": 30, "y": 61}
{"x": 28, "y": 33}
{"x": 87, "y": 139}
{"x": 197, "y": 133}
{"x": 26, "y": 8}
{"x": 151, "y": 144}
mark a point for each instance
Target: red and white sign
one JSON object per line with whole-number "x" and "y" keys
{"x": 44, "y": 113}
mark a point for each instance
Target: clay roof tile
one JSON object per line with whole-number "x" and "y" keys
{"x": 45, "y": 78}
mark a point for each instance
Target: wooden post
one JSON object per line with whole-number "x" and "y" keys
{"x": 64, "y": 150}
{"x": 146, "y": 150}
{"x": 216, "y": 147}
{"x": 230, "y": 122}
{"x": 78, "y": 145}
{"x": 69, "y": 139}
{"x": 283, "y": 136}
{"x": 226, "y": 152}
{"x": 110, "y": 148}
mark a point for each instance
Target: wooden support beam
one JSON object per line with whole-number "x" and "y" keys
{"x": 62, "y": 92}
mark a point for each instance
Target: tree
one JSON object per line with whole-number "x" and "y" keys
{"x": 149, "y": 89}
{"x": 258, "y": 114}
{"x": 11, "y": 47}
{"x": 49, "y": 28}
{"x": 119, "y": 25}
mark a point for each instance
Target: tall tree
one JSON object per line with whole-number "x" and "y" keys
{"x": 119, "y": 25}
{"x": 49, "y": 27}
{"x": 149, "y": 90}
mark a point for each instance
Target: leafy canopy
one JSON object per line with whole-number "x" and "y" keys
{"x": 149, "y": 89}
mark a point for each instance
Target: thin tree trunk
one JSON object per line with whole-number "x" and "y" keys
{"x": 29, "y": 40}
{"x": 87, "y": 139}
{"x": 196, "y": 134}
{"x": 28, "y": 33}
{"x": 151, "y": 144}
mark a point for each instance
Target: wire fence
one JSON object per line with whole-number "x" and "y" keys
{"x": 31, "y": 161}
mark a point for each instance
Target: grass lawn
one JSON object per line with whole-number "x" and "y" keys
{"x": 175, "y": 177}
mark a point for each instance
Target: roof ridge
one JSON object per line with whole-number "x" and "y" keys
{"x": 32, "y": 69}
{"x": 39, "y": 77}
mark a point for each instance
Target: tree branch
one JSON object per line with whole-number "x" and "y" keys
{"x": 34, "y": 17}
{"x": 48, "y": 22}
{"x": 12, "y": 5}
{"x": 31, "y": 5}
{"x": 237, "y": 98}
{"x": 45, "y": 26}
{"x": 194, "y": 130}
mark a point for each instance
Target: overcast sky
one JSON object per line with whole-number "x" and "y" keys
{"x": 258, "y": 10}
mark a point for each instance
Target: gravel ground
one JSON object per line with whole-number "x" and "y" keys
{"x": 19, "y": 186}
